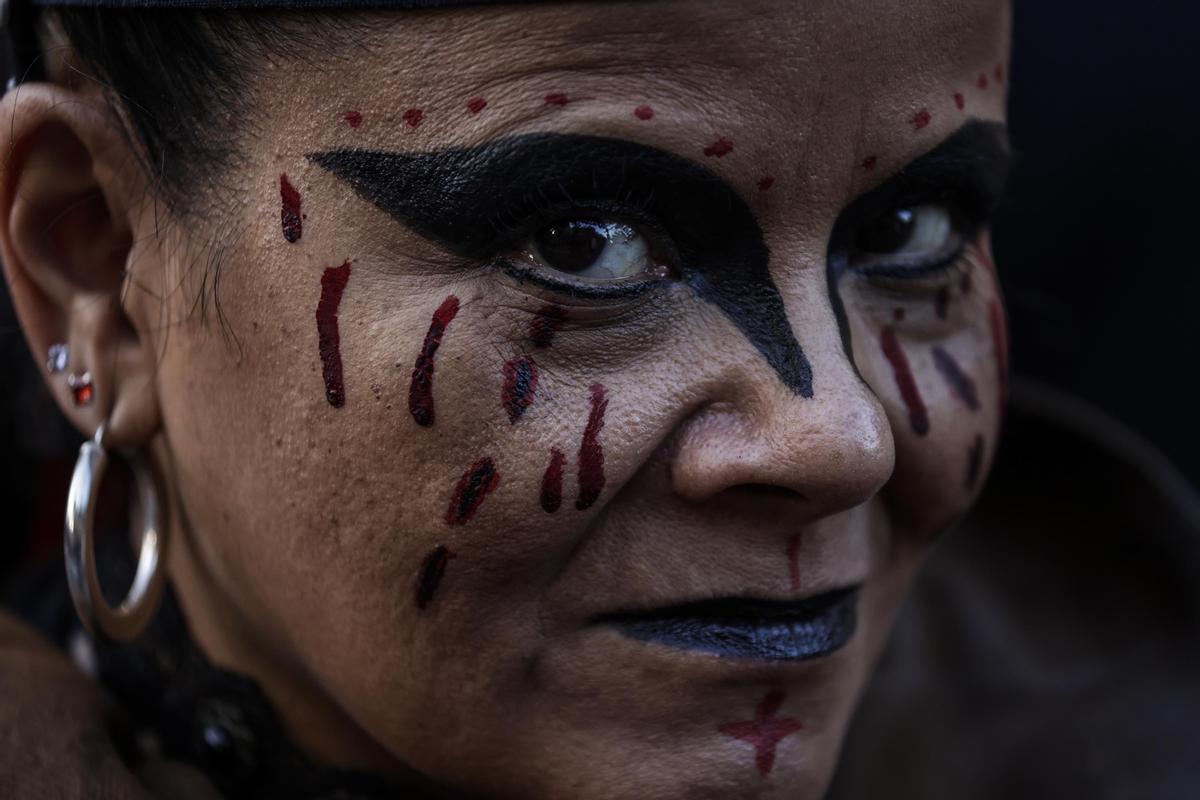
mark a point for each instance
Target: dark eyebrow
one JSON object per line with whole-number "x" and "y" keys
{"x": 472, "y": 199}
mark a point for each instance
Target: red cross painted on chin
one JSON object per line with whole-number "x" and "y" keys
{"x": 765, "y": 731}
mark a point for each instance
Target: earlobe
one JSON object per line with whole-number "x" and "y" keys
{"x": 67, "y": 184}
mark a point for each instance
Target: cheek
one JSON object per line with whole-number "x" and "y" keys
{"x": 938, "y": 363}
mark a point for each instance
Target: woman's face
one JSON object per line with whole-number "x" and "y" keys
{"x": 595, "y": 378}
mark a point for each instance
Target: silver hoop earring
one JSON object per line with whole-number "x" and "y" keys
{"x": 128, "y": 620}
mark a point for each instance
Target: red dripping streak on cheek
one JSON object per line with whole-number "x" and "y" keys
{"x": 520, "y": 386}
{"x": 333, "y": 284}
{"x": 476, "y": 104}
{"x": 472, "y": 489}
{"x": 720, "y": 148}
{"x": 548, "y": 321}
{"x": 921, "y": 119}
{"x": 941, "y": 302}
{"x": 413, "y": 116}
{"x": 793, "y": 559}
{"x": 918, "y": 416}
{"x": 557, "y": 99}
{"x": 353, "y": 118}
{"x": 960, "y": 102}
{"x": 1000, "y": 343}
{"x": 869, "y": 163}
{"x": 420, "y": 390}
{"x": 982, "y": 83}
{"x": 999, "y": 74}
{"x": 591, "y": 452}
{"x": 293, "y": 226}
{"x": 974, "y": 462}
{"x": 433, "y": 569}
{"x": 644, "y": 113}
{"x": 765, "y": 183}
{"x": 552, "y": 480}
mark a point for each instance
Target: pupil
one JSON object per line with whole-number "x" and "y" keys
{"x": 571, "y": 246}
{"x": 888, "y": 233}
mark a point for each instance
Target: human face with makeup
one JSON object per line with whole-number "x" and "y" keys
{"x": 595, "y": 376}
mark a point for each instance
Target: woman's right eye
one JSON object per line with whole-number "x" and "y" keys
{"x": 594, "y": 250}
{"x": 907, "y": 240}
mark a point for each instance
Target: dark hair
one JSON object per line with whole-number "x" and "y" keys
{"x": 179, "y": 79}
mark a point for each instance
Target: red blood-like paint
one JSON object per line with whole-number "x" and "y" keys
{"x": 557, "y": 99}
{"x": 974, "y": 462}
{"x": 918, "y": 416}
{"x": 765, "y": 182}
{"x": 476, "y": 104}
{"x": 547, "y": 322}
{"x": 999, "y": 74}
{"x": 960, "y": 382}
{"x": 591, "y": 452}
{"x": 293, "y": 224}
{"x": 472, "y": 489}
{"x": 765, "y": 731}
{"x": 433, "y": 569}
{"x": 333, "y": 284}
{"x": 921, "y": 118}
{"x": 960, "y": 102}
{"x": 720, "y": 148}
{"x": 869, "y": 163}
{"x": 644, "y": 112}
{"x": 353, "y": 118}
{"x": 1000, "y": 344}
{"x": 793, "y": 559}
{"x": 413, "y": 116}
{"x": 520, "y": 386}
{"x": 982, "y": 83}
{"x": 941, "y": 302}
{"x": 552, "y": 481}
{"x": 420, "y": 390}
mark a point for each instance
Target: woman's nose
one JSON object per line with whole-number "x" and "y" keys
{"x": 833, "y": 451}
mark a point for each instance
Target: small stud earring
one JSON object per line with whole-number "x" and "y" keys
{"x": 81, "y": 388}
{"x": 56, "y": 358}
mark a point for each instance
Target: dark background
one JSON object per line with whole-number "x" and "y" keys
{"x": 1096, "y": 242}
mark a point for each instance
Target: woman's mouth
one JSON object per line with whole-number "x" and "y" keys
{"x": 745, "y": 628}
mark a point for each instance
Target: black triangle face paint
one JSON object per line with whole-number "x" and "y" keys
{"x": 475, "y": 200}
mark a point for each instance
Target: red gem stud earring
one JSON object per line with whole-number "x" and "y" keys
{"x": 81, "y": 388}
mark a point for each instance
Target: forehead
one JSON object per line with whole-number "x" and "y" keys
{"x": 803, "y": 91}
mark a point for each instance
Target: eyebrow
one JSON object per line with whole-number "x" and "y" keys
{"x": 471, "y": 200}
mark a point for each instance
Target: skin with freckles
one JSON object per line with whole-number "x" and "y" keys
{"x": 420, "y": 576}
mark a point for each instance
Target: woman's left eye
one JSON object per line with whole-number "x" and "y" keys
{"x": 595, "y": 250}
{"x": 907, "y": 240}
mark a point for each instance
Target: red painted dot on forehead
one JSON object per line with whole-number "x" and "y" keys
{"x": 476, "y": 104}
{"x": 644, "y": 112}
{"x": 960, "y": 102}
{"x": 414, "y": 116}
{"x": 982, "y": 83}
{"x": 720, "y": 148}
{"x": 921, "y": 119}
{"x": 869, "y": 163}
{"x": 353, "y": 118}
{"x": 557, "y": 99}
{"x": 766, "y": 182}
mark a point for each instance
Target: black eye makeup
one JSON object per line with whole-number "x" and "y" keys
{"x": 919, "y": 223}
{"x": 589, "y": 216}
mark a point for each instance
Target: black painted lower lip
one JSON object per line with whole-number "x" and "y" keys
{"x": 760, "y": 631}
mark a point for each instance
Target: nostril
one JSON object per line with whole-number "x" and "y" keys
{"x": 768, "y": 493}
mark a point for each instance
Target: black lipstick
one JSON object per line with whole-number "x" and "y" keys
{"x": 466, "y": 199}
{"x": 749, "y": 629}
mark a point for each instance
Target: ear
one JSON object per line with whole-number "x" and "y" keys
{"x": 68, "y": 184}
